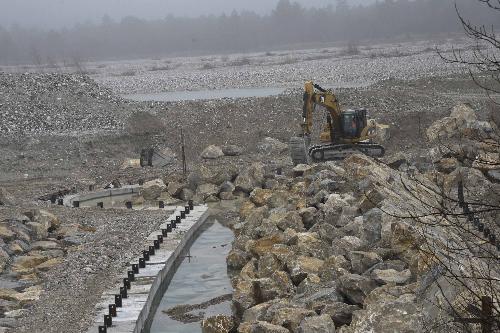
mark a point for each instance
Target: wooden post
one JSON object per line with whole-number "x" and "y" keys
{"x": 183, "y": 145}
{"x": 461, "y": 198}
{"x": 487, "y": 314}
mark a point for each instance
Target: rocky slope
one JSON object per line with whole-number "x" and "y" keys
{"x": 359, "y": 246}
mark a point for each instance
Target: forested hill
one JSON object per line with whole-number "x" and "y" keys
{"x": 289, "y": 23}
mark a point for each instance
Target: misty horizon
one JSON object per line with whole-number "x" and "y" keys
{"x": 287, "y": 24}
{"x": 57, "y": 14}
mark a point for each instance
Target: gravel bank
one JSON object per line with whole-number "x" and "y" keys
{"x": 73, "y": 288}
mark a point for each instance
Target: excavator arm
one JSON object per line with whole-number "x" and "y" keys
{"x": 315, "y": 95}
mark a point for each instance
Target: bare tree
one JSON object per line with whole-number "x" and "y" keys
{"x": 483, "y": 61}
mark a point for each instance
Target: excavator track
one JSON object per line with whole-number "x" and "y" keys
{"x": 298, "y": 150}
{"x": 321, "y": 153}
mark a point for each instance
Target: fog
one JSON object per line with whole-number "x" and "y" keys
{"x": 52, "y": 14}
{"x": 158, "y": 28}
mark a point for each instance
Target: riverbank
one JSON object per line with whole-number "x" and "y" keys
{"x": 55, "y": 137}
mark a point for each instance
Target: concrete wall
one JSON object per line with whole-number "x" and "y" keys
{"x": 151, "y": 282}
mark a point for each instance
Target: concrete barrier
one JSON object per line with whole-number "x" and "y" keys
{"x": 152, "y": 281}
{"x": 102, "y": 194}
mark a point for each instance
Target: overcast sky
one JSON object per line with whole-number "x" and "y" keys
{"x": 57, "y": 13}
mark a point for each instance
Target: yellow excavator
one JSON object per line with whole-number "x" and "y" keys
{"x": 345, "y": 132}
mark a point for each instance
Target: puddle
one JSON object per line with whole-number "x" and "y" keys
{"x": 115, "y": 201}
{"x": 200, "y": 281}
{"x": 176, "y": 96}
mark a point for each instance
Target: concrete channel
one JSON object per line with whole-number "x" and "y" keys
{"x": 164, "y": 251}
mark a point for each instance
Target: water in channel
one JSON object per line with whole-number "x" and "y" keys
{"x": 200, "y": 286}
{"x": 176, "y": 96}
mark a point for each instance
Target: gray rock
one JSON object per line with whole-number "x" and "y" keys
{"x": 232, "y": 150}
{"x": 186, "y": 194}
{"x": 355, "y": 287}
{"x": 308, "y": 216}
{"x": 227, "y": 186}
{"x": 291, "y": 317}
{"x": 256, "y": 313}
{"x": 212, "y": 152}
{"x": 391, "y": 276}
{"x": 6, "y": 199}
{"x": 361, "y": 261}
{"x": 278, "y": 285}
{"x": 226, "y": 196}
{"x": 271, "y": 145}
{"x": 320, "y": 298}
{"x": 261, "y": 327}
{"x": 291, "y": 220}
{"x": 37, "y": 230}
{"x": 372, "y": 226}
{"x": 389, "y": 315}
{"x": 346, "y": 244}
{"x": 494, "y": 175}
{"x": 237, "y": 259}
{"x": 207, "y": 190}
{"x": 73, "y": 240}
{"x": 340, "y": 313}
{"x": 175, "y": 188}
{"x": 317, "y": 324}
{"x": 329, "y": 185}
{"x": 152, "y": 190}
{"x": 250, "y": 178}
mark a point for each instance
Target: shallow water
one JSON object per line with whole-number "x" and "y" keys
{"x": 198, "y": 279}
{"x": 176, "y": 96}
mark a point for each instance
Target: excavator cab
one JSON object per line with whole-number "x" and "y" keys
{"x": 353, "y": 122}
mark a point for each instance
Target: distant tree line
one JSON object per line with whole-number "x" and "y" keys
{"x": 289, "y": 23}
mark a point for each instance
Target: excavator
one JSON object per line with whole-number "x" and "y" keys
{"x": 345, "y": 131}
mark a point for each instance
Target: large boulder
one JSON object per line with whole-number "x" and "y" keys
{"x": 212, "y": 152}
{"x": 389, "y": 315}
{"x": 260, "y": 196}
{"x": 333, "y": 208}
{"x": 340, "y": 313}
{"x": 232, "y": 150}
{"x": 152, "y": 190}
{"x": 387, "y": 276}
{"x": 237, "y": 259}
{"x": 271, "y": 146}
{"x": 334, "y": 267}
{"x": 47, "y": 219}
{"x": 250, "y": 178}
{"x": 371, "y": 230}
{"x": 303, "y": 266}
{"x": 175, "y": 188}
{"x": 291, "y": 317}
{"x": 309, "y": 244}
{"x": 362, "y": 261}
{"x": 207, "y": 190}
{"x": 317, "y": 324}
{"x": 278, "y": 285}
{"x": 355, "y": 287}
{"x": 462, "y": 117}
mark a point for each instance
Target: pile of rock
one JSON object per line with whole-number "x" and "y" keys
{"x": 323, "y": 249}
{"x": 461, "y": 140}
{"x": 31, "y": 244}
{"x": 55, "y": 103}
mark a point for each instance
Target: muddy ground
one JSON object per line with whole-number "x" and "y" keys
{"x": 408, "y": 88}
